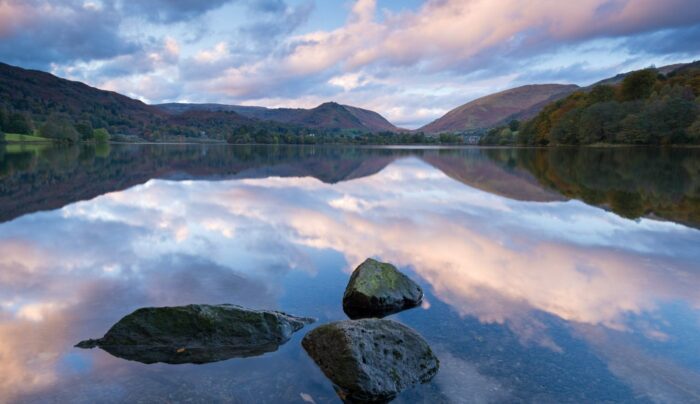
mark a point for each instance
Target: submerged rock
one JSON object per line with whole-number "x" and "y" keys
{"x": 197, "y": 333}
{"x": 377, "y": 289}
{"x": 371, "y": 360}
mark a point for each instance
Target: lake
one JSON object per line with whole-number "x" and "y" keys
{"x": 550, "y": 275}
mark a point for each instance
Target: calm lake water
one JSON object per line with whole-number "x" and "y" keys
{"x": 563, "y": 275}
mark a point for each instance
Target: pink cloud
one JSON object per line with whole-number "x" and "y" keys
{"x": 449, "y": 32}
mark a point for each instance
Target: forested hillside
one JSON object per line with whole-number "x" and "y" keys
{"x": 647, "y": 108}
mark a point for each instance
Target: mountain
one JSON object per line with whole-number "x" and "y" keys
{"x": 648, "y": 107}
{"x": 329, "y": 115}
{"x": 39, "y": 94}
{"x": 499, "y": 108}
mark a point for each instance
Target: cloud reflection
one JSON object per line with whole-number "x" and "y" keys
{"x": 168, "y": 242}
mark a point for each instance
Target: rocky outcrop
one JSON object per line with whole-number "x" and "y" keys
{"x": 371, "y": 360}
{"x": 377, "y": 289}
{"x": 197, "y": 333}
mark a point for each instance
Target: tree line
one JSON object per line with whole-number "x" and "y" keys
{"x": 253, "y": 135}
{"x": 57, "y": 127}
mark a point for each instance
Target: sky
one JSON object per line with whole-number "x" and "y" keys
{"x": 409, "y": 60}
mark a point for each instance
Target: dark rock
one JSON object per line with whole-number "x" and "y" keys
{"x": 371, "y": 360}
{"x": 197, "y": 333}
{"x": 377, "y": 289}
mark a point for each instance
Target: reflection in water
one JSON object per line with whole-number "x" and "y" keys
{"x": 631, "y": 182}
{"x": 538, "y": 297}
{"x": 197, "y": 334}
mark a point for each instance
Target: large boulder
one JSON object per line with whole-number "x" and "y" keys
{"x": 371, "y": 360}
{"x": 197, "y": 333}
{"x": 377, "y": 289}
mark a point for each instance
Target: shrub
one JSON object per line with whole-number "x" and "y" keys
{"x": 100, "y": 135}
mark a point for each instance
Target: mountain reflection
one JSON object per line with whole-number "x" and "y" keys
{"x": 504, "y": 255}
{"x": 633, "y": 183}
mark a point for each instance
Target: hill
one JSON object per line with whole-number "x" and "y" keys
{"x": 329, "y": 115}
{"x": 646, "y": 107}
{"x": 38, "y": 95}
{"x": 496, "y": 109}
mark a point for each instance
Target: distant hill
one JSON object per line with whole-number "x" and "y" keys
{"x": 496, "y": 109}
{"x": 329, "y": 115}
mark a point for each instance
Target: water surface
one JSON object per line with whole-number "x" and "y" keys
{"x": 550, "y": 275}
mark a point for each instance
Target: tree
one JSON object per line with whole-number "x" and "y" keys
{"x": 505, "y": 137}
{"x": 19, "y": 123}
{"x": 600, "y": 122}
{"x": 638, "y": 85}
{"x": 59, "y": 127}
{"x": 514, "y": 125}
{"x": 240, "y": 138}
{"x": 449, "y": 138}
{"x": 3, "y": 117}
{"x": 693, "y": 132}
{"x": 100, "y": 135}
{"x": 566, "y": 129}
{"x": 85, "y": 130}
{"x": 634, "y": 129}
{"x": 669, "y": 117}
{"x": 601, "y": 93}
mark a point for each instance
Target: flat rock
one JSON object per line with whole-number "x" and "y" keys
{"x": 371, "y": 360}
{"x": 377, "y": 289}
{"x": 197, "y": 333}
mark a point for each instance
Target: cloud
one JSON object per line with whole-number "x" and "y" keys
{"x": 410, "y": 64}
{"x": 37, "y": 33}
{"x": 445, "y": 41}
{"x": 167, "y": 11}
{"x": 451, "y": 34}
{"x": 279, "y": 19}
{"x": 684, "y": 41}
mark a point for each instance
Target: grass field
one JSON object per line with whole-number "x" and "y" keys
{"x": 14, "y": 137}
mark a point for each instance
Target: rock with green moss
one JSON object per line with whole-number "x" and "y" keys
{"x": 377, "y": 289}
{"x": 371, "y": 360}
{"x": 197, "y": 333}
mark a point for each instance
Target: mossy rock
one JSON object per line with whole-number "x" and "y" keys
{"x": 377, "y": 289}
{"x": 371, "y": 360}
{"x": 197, "y": 333}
